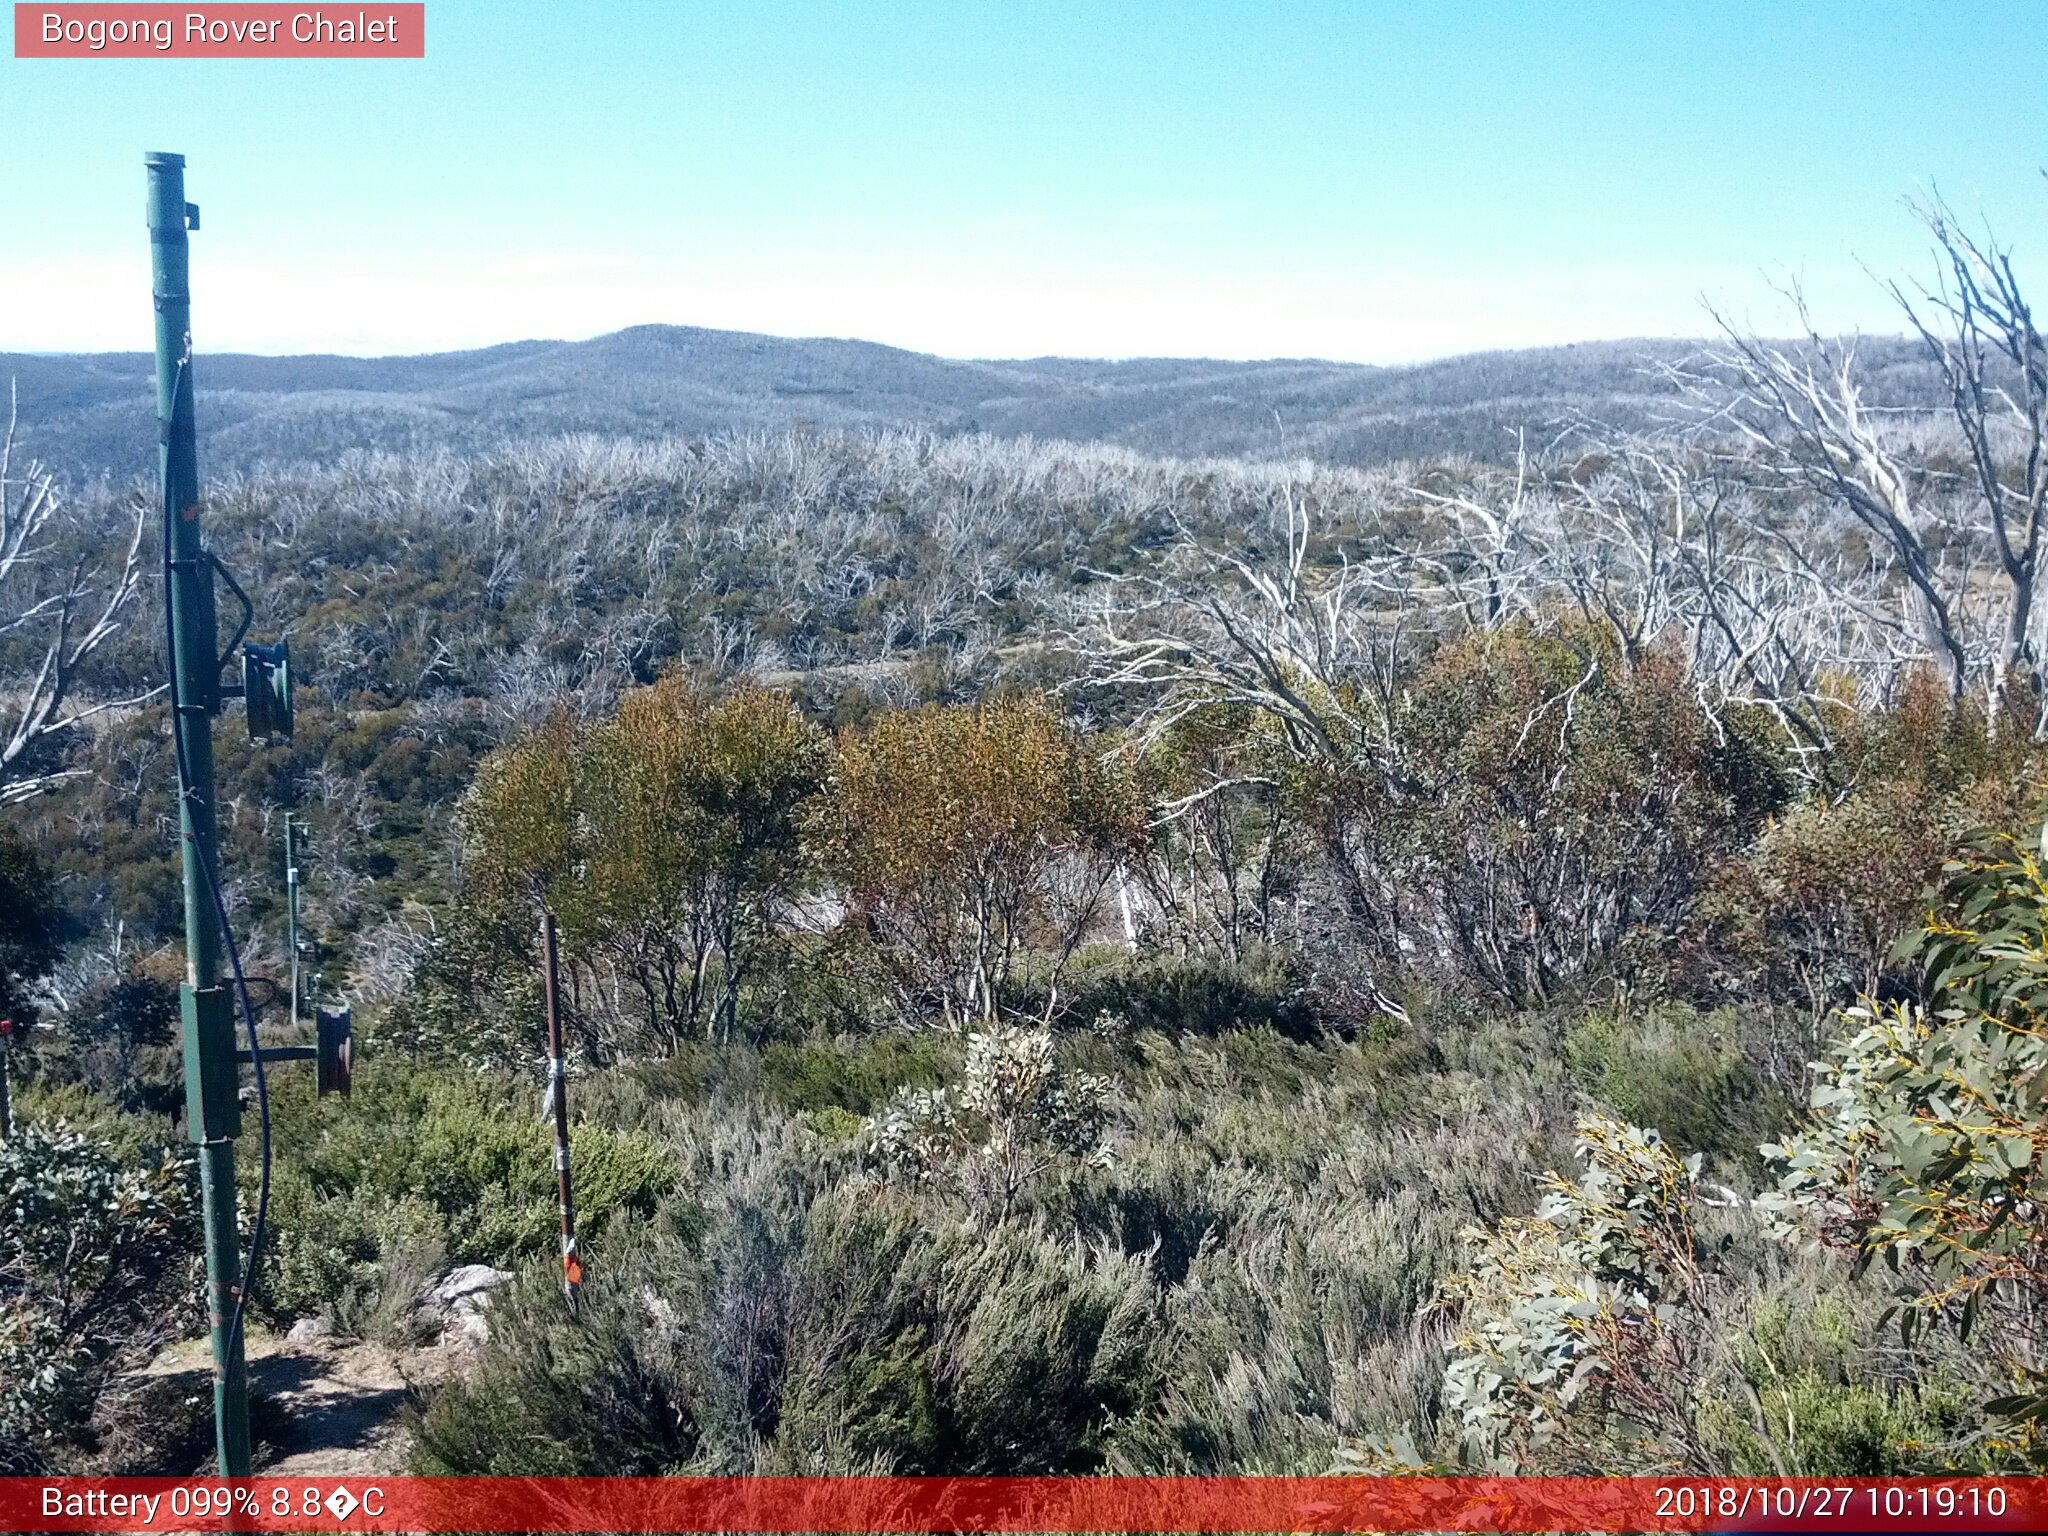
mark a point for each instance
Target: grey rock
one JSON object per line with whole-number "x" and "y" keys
{"x": 458, "y": 1300}
{"x": 466, "y": 1288}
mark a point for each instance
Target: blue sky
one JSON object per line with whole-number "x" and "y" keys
{"x": 1369, "y": 181}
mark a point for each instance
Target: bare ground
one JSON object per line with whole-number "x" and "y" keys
{"x": 320, "y": 1407}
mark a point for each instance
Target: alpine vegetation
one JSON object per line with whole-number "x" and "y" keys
{"x": 1077, "y": 959}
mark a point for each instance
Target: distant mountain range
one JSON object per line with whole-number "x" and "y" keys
{"x": 90, "y": 414}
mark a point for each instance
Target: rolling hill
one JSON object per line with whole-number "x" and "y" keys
{"x": 92, "y": 414}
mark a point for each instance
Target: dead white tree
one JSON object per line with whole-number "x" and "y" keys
{"x": 1311, "y": 649}
{"x": 1977, "y": 327}
{"x": 60, "y": 610}
{"x": 1801, "y": 410}
{"x": 1960, "y": 547}
{"x": 1662, "y": 545}
{"x": 1309, "y": 634}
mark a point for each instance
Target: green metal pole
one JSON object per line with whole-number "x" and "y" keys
{"x": 212, "y": 1112}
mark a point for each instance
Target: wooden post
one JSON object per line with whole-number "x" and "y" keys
{"x": 558, "y": 1108}
{"x": 6, "y": 1103}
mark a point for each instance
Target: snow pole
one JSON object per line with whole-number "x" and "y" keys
{"x": 557, "y": 1109}
{"x": 6, "y": 1103}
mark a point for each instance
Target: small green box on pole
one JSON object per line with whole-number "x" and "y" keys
{"x": 214, "y": 1113}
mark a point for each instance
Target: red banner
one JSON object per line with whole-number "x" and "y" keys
{"x": 1019, "y": 1504}
{"x": 115, "y": 31}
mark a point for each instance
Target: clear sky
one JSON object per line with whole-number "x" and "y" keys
{"x": 1371, "y": 181}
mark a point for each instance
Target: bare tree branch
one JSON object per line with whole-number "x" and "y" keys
{"x": 77, "y": 610}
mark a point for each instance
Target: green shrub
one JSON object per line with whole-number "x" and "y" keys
{"x": 1578, "y": 1327}
{"x": 1683, "y": 1071}
{"x": 599, "y": 1395}
{"x": 1200, "y": 996}
{"x": 1554, "y": 803}
{"x": 95, "y": 1260}
{"x": 358, "y": 1257}
{"x": 363, "y": 1187}
{"x": 31, "y": 921}
{"x": 1810, "y": 1390}
{"x": 1811, "y": 910}
{"x": 1017, "y": 1113}
{"x": 856, "y": 1077}
{"x": 835, "y": 1125}
{"x": 129, "y": 1139}
{"x": 1804, "y": 1423}
{"x": 1923, "y": 1142}
{"x": 861, "y": 1331}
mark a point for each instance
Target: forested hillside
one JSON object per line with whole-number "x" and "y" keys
{"x": 93, "y": 415}
{"x": 1078, "y": 957}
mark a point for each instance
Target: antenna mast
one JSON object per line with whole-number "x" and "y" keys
{"x": 212, "y": 1110}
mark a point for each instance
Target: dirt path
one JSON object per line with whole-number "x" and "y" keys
{"x": 321, "y": 1406}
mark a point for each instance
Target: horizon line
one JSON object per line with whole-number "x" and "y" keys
{"x": 1042, "y": 357}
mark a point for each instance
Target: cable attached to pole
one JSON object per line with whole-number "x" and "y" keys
{"x": 203, "y": 858}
